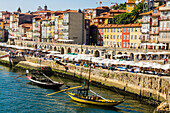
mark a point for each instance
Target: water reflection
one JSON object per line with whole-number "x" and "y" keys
{"x": 18, "y": 95}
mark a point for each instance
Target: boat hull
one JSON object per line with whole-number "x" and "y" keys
{"x": 93, "y": 102}
{"x": 55, "y": 85}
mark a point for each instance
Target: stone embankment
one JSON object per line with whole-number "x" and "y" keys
{"x": 151, "y": 87}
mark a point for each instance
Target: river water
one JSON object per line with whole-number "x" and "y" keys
{"x": 19, "y": 96}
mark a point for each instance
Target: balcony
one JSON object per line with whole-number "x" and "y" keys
{"x": 154, "y": 32}
{"x": 144, "y": 20}
{"x": 154, "y": 23}
{"x": 165, "y": 18}
{"x": 145, "y": 30}
{"x": 36, "y": 31}
{"x": 65, "y": 23}
{"x": 50, "y": 36}
{"x": 164, "y": 29}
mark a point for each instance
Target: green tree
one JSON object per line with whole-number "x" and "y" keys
{"x": 126, "y": 18}
{"x": 122, "y": 6}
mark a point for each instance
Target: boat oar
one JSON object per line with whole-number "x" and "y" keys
{"x": 63, "y": 90}
{"x": 18, "y": 76}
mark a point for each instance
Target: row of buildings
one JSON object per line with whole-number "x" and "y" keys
{"x": 90, "y": 26}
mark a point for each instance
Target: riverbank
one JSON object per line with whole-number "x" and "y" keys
{"x": 148, "y": 88}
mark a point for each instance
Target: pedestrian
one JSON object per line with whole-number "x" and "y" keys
{"x": 164, "y": 61}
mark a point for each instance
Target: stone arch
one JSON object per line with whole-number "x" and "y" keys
{"x": 45, "y": 47}
{"x": 55, "y": 48}
{"x": 132, "y": 56}
{"x": 97, "y": 53}
{"x": 113, "y": 54}
{"x": 62, "y": 50}
{"x": 36, "y": 46}
{"x": 51, "y": 47}
{"x": 125, "y": 53}
{"x": 69, "y": 50}
{"x": 120, "y": 53}
{"x": 76, "y": 50}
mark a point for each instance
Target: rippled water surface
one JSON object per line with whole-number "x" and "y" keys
{"x": 19, "y": 96}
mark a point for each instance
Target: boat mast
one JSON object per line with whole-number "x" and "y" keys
{"x": 89, "y": 73}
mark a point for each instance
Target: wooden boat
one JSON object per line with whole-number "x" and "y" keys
{"x": 40, "y": 79}
{"x": 94, "y": 100}
{"x": 82, "y": 96}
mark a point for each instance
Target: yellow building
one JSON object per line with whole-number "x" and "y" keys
{"x": 1, "y": 24}
{"x": 113, "y": 35}
{"x": 1, "y": 29}
{"x": 131, "y": 4}
{"x": 135, "y": 35}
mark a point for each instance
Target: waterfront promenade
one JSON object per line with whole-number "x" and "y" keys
{"x": 151, "y": 86}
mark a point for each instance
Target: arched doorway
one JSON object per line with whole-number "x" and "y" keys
{"x": 132, "y": 56}
{"x": 55, "y": 48}
{"x": 69, "y": 50}
{"x": 120, "y": 53}
{"x": 62, "y": 50}
{"x": 51, "y": 47}
{"x": 97, "y": 53}
{"x": 36, "y": 46}
{"x": 113, "y": 55}
{"x": 76, "y": 50}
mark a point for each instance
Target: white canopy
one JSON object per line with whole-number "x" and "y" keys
{"x": 62, "y": 40}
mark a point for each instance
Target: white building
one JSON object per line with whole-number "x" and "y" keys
{"x": 164, "y": 30}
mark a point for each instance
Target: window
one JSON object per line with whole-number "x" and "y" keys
{"x": 124, "y": 37}
{"x": 104, "y": 36}
{"x": 107, "y": 30}
{"x": 107, "y": 42}
{"x": 113, "y": 43}
{"x": 99, "y": 37}
{"x": 131, "y": 37}
{"x": 114, "y": 30}
{"x": 117, "y": 36}
{"x": 101, "y": 30}
{"x": 113, "y": 36}
{"x": 120, "y": 43}
{"x": 131, "y": 29}
{"x": 131, "y": 44}
{"x": 110, "y": 36}
{"x": 127, "y": 44}
{"x": 118, "y": 30}
{"x": 107, "y": 36}
{"x": 111, "y": 30}
{"x": 128, "y": 30}
{"x": 120, "y": 36}
{"x": 123, "y": 44}
{"x": 132, "y": 5}
{"x": 127, "y": 37}
{"x": 135, "y": 37}
{"x": 121, "y": 29}
{"x": 134, "y": 44}
{"x": 136, "y": 30}
{"x": 117, "y": 43}
{"x": 124, "y": 30}
{"x": 110, "y": 43}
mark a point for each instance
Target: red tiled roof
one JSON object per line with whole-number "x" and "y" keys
{"x": 118, "y": 11}
{"x": 26, "y": 25}
{"x": 118, "y": 26}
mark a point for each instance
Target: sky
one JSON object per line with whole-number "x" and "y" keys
{"x": 32, "y": 5}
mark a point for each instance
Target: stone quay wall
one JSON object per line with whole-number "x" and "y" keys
{"x": 150, "y": 86}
